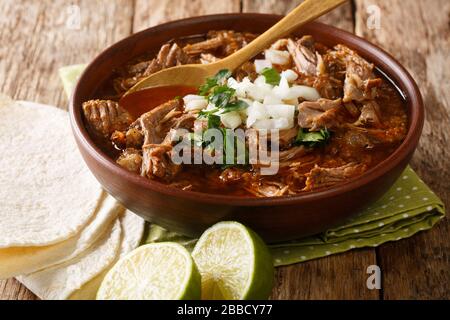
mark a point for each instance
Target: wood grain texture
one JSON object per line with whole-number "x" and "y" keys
{"x": 42, "y": 36}
{"x": 417, "y": 33}
{"x": 150, "y": 13}
{"x": 341, "y": 276}
{"x": 39, "y": 37}
{"x": 341, "y": 17}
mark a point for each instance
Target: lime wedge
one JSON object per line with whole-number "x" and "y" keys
{"x": 234, "y": 263}
{"x": 153, "y": 272}
{"x": 69, "y": 76}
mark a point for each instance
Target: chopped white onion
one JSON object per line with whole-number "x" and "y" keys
{"x": 242, "y": 88}
{"x": 268, "y": 124}
{"x": 282, "y": 123}
{"x": 282, "y": 90}
{"x": 231, "y": 120}
{"x": 194, "y": 102}
{"x": 261, "y": 64}
{"x": 256, "y": 111}
{"x": 272, "y": 99}
{"x": 289, "y": 75}
{"x": 191, "y": 97}
{"x": 264, "y": 124}
{"x": 305, "y": 92}
{"x": 277, "y": 56}
{"x": 258, "y": 92}
{"x": 281, "y": 111}
{"x": 232, "y": 83}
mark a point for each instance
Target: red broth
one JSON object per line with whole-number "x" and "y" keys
{"x": 140, "y": 102}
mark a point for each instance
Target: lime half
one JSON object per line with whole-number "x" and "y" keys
{"x": 159, "y": 271}
{"x": 234, "y": 263}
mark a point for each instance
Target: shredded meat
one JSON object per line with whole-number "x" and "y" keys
{"x": 286, "y": 136}
{"x": 106, "y": 116}
{"x": 185, "y": 121}
{"x": 370, "y": 114}
{"x": 168, "y": 56}
{"x": 246, "y": 70}
{"x": 207, "y": 45}
{"x": 283, "y": 158}
{"x": 156, "y": 149}
{"x": 357, "y": 140}
{"x": 233, "y": 41}
{"x": 130, "y": 159}
{"x": 352, "y": 109}
{"x": 157, "y": 162}
{"x": 131, "y": 138}
{"x": 307, "y": 60}
{"x": 364, "y": 113}
{"x": 224, "y": 42}
{"x": 231, "y": 175}
{"x": 134, "y": 138}
{"x": 319, "y": 114}
{"x": 326, "y": 177}
{"x": 150, "y": 122}
{"x": 382, "y": 136}
{"x": 360, "y": 82}
{"x": 292, "y": 153}
{"x": 206, "y": 58}
{"x": 268, "y": 189}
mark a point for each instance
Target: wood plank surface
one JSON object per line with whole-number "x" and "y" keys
{"x": 45, "y": 39}
{"x": 39, "y": 37}
{"x": 150, "y": 13}
{"x": 341, "y": 17}
{"x": 417, "y": 33}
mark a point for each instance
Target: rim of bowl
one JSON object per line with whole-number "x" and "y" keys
{"x": 407, "y": 147}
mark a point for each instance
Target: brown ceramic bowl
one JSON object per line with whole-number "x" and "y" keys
{"x": 275, "y": 219}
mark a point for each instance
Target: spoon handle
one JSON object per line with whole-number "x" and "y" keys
{"x": 305, "y": 12}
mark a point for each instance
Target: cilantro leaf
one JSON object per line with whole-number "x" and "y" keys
{"x": 272, "y": 76}
{"x": 222, "y": 76}
{"x": 213, "y": 121}
{"x": 235, "y": 106}
{"x": 234, "y": 144}
{"x": 218, "y": 79}
{"x": 207, "y": 113}
{"x": 221, "y": 96}
{"x": 312, "y": 139}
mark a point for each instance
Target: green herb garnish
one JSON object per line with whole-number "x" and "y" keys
{"x": 207, "y": 113}
{"x": 221, "y": 96}
{"x": 234, "y": 146}
{"x": 235, "y": 106}
{"x": 312, "y": 139}
{"x": 272, "y": 76}
{"x": 213, "y": 121}
{"x": 219, "y": 79}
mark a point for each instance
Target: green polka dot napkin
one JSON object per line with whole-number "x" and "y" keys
{"x": 407, "y": 208}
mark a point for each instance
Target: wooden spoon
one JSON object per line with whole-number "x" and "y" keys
{"x": 193, "y": 75}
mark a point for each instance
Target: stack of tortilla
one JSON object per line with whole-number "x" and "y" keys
{"x": 59, "y": 231}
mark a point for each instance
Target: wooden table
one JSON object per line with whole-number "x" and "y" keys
{"x": 38, "y": 37}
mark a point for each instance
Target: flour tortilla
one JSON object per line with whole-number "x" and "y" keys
{"x": 59, "y": 282}
{"x": 132, "y": 233}
{"x": 24, "y": 260}
{"x": 47, "y": 194}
